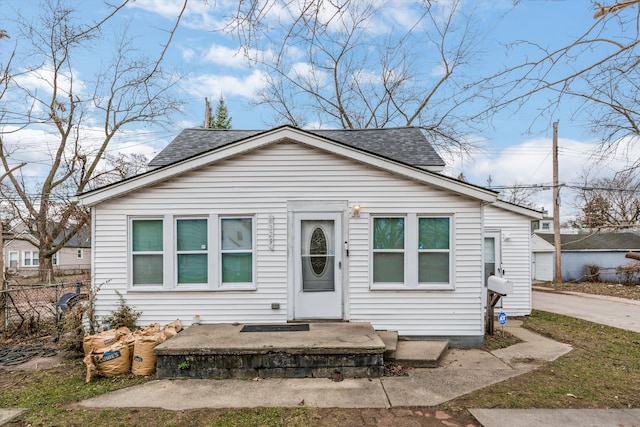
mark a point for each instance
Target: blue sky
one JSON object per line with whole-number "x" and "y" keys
{"x": 514, "y": 148}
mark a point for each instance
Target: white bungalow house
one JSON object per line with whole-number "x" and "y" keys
{"x": 285, "y": 225}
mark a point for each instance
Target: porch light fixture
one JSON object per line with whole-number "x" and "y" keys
{"x": 356, "y": 211}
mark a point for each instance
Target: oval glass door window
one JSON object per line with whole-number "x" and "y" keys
{"x": 318, "y": 251}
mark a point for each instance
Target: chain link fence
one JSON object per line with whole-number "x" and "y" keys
{"x": 35, "y": 310}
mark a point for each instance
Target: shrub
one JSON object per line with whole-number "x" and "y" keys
{"x": 123, "y": 316}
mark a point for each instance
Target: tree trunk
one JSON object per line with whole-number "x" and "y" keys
{"x": 46, "y": 269}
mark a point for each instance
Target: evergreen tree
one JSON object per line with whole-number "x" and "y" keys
{"x": 221, "y": 120}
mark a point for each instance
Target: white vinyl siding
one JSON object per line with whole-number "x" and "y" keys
{"x": 515, "y": 235}
{"x": 259, "y": 184}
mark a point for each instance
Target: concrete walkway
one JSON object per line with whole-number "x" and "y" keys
{"x": 461, "y": 372}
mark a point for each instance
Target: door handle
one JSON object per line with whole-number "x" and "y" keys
{"x": 340, "y": 265}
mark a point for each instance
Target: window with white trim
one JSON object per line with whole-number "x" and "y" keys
{"x": 206, "y": 252}
{"x": 54, "y": 259}
{"x": 79, "y": 254}
{"x": 13, "y": 259}
{"x": 434, "y": 260}
{"x": 388, "y": 250}
{"x": 192, "y": 251}
{"x": 411, "y": 252}
{"x": 147, "y": 252}
{"x": 30, "y": 258}
{"x": 236, "y": 250}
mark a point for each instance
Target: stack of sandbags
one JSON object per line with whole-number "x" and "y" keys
{"x": 116, "y": 352}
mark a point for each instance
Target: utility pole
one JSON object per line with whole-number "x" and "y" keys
{"x": 557, "y": 242}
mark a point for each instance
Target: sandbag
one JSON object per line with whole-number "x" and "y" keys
{"x": 103, "y": 339}
{"x": 113, "y": 360}
{"x": 172, "y": 329}
{"x": 144, "y": 359}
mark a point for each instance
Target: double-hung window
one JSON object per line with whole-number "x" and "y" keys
{"x": 434, "y": 257}
{"x": 13, "y": 259}
{"x": 147, "y": 252}
{"x": 30, "y": 258}
{"x": 411, "y": 252}
{"x": 388, "y": 250}
{"x": 236, "y": 250}
{"x": 203, "y": 252}
{"x": 192, "y": 251}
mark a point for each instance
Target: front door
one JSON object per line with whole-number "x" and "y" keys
{"x": 492, "y": 255}
{"x": 318, "y": 265}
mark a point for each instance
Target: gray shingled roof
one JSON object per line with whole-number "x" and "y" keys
{"x": 598, "y": 241}
{"x": 407, "y": 145}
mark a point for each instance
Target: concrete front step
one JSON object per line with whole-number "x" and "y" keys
{"x": 326, "y": 350}
{"x": 411, "y": 353}
{"x": 420, "y": 354}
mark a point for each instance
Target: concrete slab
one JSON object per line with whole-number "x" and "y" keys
{"x": 534, "y": 349}
{"x": 195, "y": 394}
{"x": 471, "y": 359}
{"x": 557, "y": 417}
{"x": 420, "y": 354}
{"x": 7, "y": 415}
{"x": 322, "y": 338}
{"x": 430, "y": 387}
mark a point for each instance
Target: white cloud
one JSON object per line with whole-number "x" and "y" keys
{"x": 188, "y": 54}
{"x": 222, "y": 55}
{"x": 530, "y": 163}
{"x": 213, "y": 85}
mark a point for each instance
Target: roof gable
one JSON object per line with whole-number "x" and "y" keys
{"x": 597, "y": 241}
{"x": 406, "y": 145}
{"x": 291, "y": 134}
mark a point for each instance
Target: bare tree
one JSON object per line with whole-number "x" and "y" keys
{"x": 597, "y": 75}
{"x": 520, "y": 194}
{"x": 333, "y": 67}
{"x": 610, "y": 202}
{"x": 44, "y": 93}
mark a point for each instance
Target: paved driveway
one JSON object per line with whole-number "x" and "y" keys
{"x": 617, "y": 312}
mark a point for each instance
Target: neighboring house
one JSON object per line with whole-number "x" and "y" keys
{"x": 542, "y": 258}
{"x": 604, "y": 250}
{"x": 21, "y": 254}
{"x": 544, "y": 225}
{"x": 285, "y": 225}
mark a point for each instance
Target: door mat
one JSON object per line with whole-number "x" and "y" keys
{"x": 295, "y": 327}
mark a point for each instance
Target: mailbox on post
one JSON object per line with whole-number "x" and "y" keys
{"x": 497, "y": 287}
{"x": 500, "y": 285}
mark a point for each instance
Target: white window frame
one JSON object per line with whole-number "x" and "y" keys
{"x": 33, "y": 256}
{"x": 411, "y": 254}
{"x": 435, "y": 285}
{"x": 17, "y": 259}
{"x": 404, "y": 251}
{"x": 207, "y": 252}
{"x": 214, "y": 254}
{"x": 131, "y": 253}
{"x": 218, "y": 233}
{"x": 55, "y": 259}
{"x": 79, "y": 253}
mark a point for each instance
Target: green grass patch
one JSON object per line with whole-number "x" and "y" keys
{"x": 602, "y": 370}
